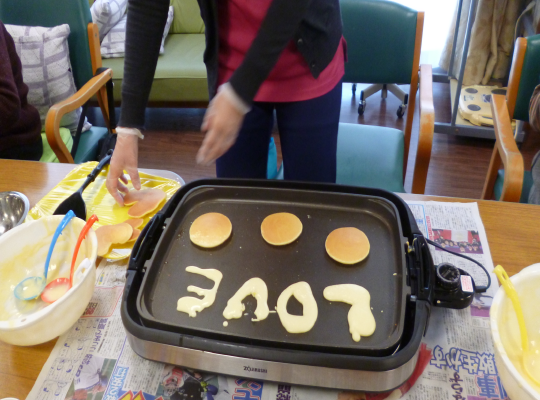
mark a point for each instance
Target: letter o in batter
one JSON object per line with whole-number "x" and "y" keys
{"x": 298, "y": 323}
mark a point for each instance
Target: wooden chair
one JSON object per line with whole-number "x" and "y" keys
{"x": 85, "y": 57}
{"x": 383, "y": 41}
{"x": 513, "y": 183}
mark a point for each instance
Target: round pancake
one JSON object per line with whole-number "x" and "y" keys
{"x": 347, "y": 245}
{"x": 281, "y": 228}
{"x": 210, "y": 230}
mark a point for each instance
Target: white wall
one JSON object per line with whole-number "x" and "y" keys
{"x": 438, "y": 16}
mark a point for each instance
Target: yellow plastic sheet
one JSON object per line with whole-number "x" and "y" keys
{"x": 99, "y": 201}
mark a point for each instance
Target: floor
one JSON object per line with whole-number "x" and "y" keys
{"x": 458, "y": 165}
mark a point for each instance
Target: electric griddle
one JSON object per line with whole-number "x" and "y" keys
{"x": 398, "y": 273}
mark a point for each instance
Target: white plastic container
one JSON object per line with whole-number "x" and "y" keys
{"x": 505, "y": 335}
{"x": 23, "y": 251}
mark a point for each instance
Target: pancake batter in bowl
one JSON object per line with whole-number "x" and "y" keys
{"x": 30, "y": 263}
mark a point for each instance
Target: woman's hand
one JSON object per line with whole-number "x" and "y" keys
{"x": 221, "y": 123}
{"x": 125, "y": 157}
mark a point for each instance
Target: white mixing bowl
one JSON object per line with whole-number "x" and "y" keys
{"x": 23, "y": 252}
{"x": 505, "y": 332}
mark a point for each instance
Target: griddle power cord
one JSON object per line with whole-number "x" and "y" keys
{"x": 479, "y": 289}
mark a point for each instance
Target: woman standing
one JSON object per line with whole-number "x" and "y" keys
{"x": 261, "y": 56}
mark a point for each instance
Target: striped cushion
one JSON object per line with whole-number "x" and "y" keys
{"x": 114, "y": 43}
{"x": 106, "y": 14}
{"x": 44, "y": 55}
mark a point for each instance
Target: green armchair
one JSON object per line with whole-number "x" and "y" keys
{"x": 384, "y": 40}
{"x": 513, "y": 183}
{"x": 180, "y": 77}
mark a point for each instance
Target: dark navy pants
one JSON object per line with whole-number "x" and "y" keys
{"x": 308, "y": 132}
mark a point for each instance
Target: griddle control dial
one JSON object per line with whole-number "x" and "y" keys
{"x": 448, "y": 276}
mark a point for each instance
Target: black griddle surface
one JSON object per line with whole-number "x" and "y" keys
{"x": 246, "y": 255}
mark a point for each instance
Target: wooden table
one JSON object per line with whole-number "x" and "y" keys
{"x": 513, "y": 232}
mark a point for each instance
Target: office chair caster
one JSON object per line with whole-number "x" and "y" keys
{"x": 354, "y": 89}
{"x": 401, "y": 110}
{"x": 361, "y": 107}
{"x": 361, "y": 103}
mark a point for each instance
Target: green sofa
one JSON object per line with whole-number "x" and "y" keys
{"x": 180, "y": 78}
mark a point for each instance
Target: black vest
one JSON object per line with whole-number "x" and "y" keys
{"x": 317, "y": 37}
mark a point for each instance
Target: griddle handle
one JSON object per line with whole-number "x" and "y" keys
{"x": 422, "y": 270}
{"x": 127, "y": 286}
{"x": 143, "y": 243}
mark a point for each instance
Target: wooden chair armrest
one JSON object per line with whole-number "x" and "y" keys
{"x": 95, "y": 55}
{"x": 425, "y": 133}
{"x": 520, "y": 48}
{"x": 57, "y": 111}
{"x": 95, "y": 47}
{"x": 508, "y": 151}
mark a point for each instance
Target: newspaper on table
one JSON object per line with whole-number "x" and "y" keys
{"x": 94, "y": 361}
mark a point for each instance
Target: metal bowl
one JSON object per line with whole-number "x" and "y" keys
{"x": 14, "y": 207}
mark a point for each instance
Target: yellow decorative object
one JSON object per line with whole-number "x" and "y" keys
{"x": 99, "y": 201}
{"x": 475, "y": 104}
